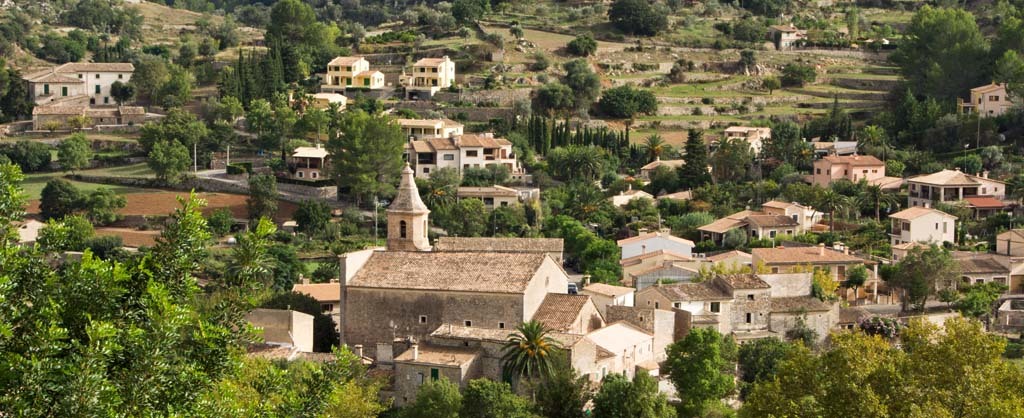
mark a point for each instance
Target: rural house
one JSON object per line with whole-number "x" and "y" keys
{"x": 920, "y": 224}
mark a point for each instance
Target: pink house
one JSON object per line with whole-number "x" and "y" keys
{"x": 854, "y": 168}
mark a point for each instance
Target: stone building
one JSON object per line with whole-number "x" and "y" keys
{"x": 553, "y": 247}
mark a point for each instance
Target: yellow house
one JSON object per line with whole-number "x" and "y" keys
{"x": 429, "y": 75}
{"x": 987, "y": 101}
{"x": 351, "y": 73}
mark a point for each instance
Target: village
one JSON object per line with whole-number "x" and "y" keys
{"x": 628, "y": 208}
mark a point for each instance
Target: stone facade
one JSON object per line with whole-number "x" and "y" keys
{"x": 667, "y": 326}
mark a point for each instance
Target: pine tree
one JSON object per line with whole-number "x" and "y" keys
{"x": 694, "y": 173}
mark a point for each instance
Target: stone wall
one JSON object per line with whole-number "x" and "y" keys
{"x": 379, "y": 315}
{"x": 668, "y": 326}
{"x": 504, "y": 97}
{"x": 759, "y": 309}
{"x": 820, "y": 322}
{"x": 328, "y": 192}
{"x": 408, "y": 375}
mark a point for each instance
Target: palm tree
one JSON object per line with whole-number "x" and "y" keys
{"x": 654, "y": 145}
{"x": 831, "y": 202}
{"x": 528, "y": 352}
{"x": 874, "y": 196}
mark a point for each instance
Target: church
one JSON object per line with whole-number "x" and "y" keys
{"x": 406, "y": 291}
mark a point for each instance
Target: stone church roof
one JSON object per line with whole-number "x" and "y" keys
{"x": 455, "y": 271}
{"x": 498, "y": 244}
{"x": 408, "y": 197}
{"x": 558, "y": 312}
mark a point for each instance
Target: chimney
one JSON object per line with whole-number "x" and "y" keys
{"x": 415, "y": 352}
{"x": 359, "y": 350}
{"x": 821, "y": 249}
{"x": 303, "y": 279}
{"x": 984, "y": 174}
{"x": 586, "y": 280}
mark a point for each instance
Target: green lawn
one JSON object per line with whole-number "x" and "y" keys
{"x": 34, "y": 183}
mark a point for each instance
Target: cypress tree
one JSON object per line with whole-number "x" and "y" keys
{"x": 694, "y": 173}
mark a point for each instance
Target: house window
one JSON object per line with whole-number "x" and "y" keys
{"x": 656, "y": 305}
{"x": 366, "y": 81}
{"x": 327, "y": 307}
{"x": 46, "y": 89}
{"x": 300, "y": 174}
{"x": 348, "y": 81}
{"x": 401, "y": 229}
{"x": 944, "y": 226}
{"x": 771, "y": 234}
{"x": 993, "y": 98}
{"x": 936, "y": 226}
{"x": 677, "y": 305}
{"x": 467, "y": 323}
{"x": 489, "y": 201}
{"x": 63, "y": 91}
{"x": 97, "y": 89}
{"x": 471, "y": 153}
{"x": 1000, "y": 280}
{"x": 120, "y": 76}
{"x": 426, "y": 170}
{"x": 79, "y": 76}
{"x": 716, "y": 307}
{"x": 97, "y": 76}
{"x": 313, "y": 174}
{"x": 421, "y": 376}
{"x": 504, "y": 204}
{"x": 106, "y": 100}
{"x": 818, "y": 170}
{"x": 501, "y": 325}
{"x": 423, "y": 319}
{"x": 775, "y": 270}
{"x": 449, "y": 157}
{"x": 750, "y": 296}
{"x": 748, "y": 317}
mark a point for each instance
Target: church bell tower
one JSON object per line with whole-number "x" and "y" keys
{"x": 407, "y": 217}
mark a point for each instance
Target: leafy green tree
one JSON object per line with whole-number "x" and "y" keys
{"x": 856, "y": 277}
{"x": 325, "y": 335}
{"x": 831, "y": 201}
{"x": 621, "y": 398}
{"x": 700, "y": 367}
{"x": 441, "y": 189}
{"x": 168, "y": 160}
{"x": 627, "y": 101}
{"x": 485, "y": 176}
{"x": 528, "y": 352}
{"x": 732, "y": 160}
{"x": 466, "y": 218}
{"x": 177, "y": 89}
{"x": 582, "y": 46}
{"x": 585, "y": 84}
{"x": 771, "y": 84}
{"x": 58, "y": 199}
{"x": 637, "y": 17}
{"x": 768, "y": 8}
{"x": 150, "y": 73}
{"x": 787, "y": 146}
{"x": 943, "y": 53}
{"x": 122, "y": 92}
{"x": 956, "y": 371}
{"x": 469, "y": 11}
{"x": 372, "y": 156}
{"x": 484, "y": 398}
{"x": 220, "y": 221}
{"x": 873, "y": 196}
{"x": 759, "y": 361}
{"x": 179, "y": 125}
{"x": 796, "y": 75}
{"x": 74, "y": 152}
{"x": 12, "y": 207}
{"x": 978, "y": 300}
{"x": 250, "y": 260}
{"x": 262, "y": 201}
{"x": 663, "y": 180}
{"x": 694, "y": 173}
{"x": 312, "y": 216}
{"x": 577, "y": 162}
{"x": 552, "y": 99}
{"x": 564, "y": 393}
{"x": 71, "y": 233}
{"x": 922, "y": 271}
{"x": 435, "y": 399}
{"x": 102, "y": 204}
{"x": 29, "y": 155}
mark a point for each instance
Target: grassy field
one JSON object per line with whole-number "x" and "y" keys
{"x": 34, "y": 183}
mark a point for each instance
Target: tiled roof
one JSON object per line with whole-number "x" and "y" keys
{"x": 915, "y": 212}
{"x": 322, "y": 292}
{"x": 667, "y": 163}
{"x": 499, "y": 245}
{"x": 408, "y": 198}
{"x": 692, "y": 291}
{"x": 727, "y": 255}
{"x": 854, "y": 160}
{"x": 440, "y": 144}
{"x": 103, "y": 112}
{"x": 985, "y": 202}
{"x": 344, "y": 60}
{"x": 55, "y": 78}
{"x": 946, "y": 178}
{"x": 59, "y": 110}
{"x": 744, "y": 281}
{"x": 132, "y": 110}
{"x": 420, "y": 123}
{"x": 798, "y": 304}
{"x": 618, "y": 337}
{"x": 608, "y": 290}
{"x": 660, "y": 253}
{"x": 989, "y": 88}
{"x": 780, "y": 204}
{"x": 368, "y": 73}
{"x": 803, "y": 255}
{"x": 482, "y": 140}
{"x": 683, "y": 195}
{"x": 981, "y": 265}
{"x": 887, "y": 182}
{"x": 558, "y": 312}
{"x": 439, "y": 355}
{"x": 80, "y": 67}
{"x": 723, "y": 225}
{"x": 771, "y": 221}
{"x": 459, "y": 332}
{"x": 852, "y": 315}
{"x": 429, "y": 62}
{"x": 461, "y": 271}
{"x": 651, "y": 235}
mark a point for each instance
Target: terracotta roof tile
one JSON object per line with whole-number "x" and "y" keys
{"x": 608, "y": 290}
{"x": 499, "y": 245}
{"x": 771, "y": 221}
{"x": 744, "y": 281}
{"x": 915, "y": 212}
{"x": 452, "y": 271}
{"x": 650, "y": 235}
{"x": 854, "y": 160}
{"x": 322, "y": 292}
{"x": 981, "y": 265}
{"x": 692, "y": 291}
{"x": 803, "y": 255}
{"x": 459, "y": 332}
{"x": 558, "y": 312}
{"x": 344, "y": 60}
{"x": 985, "y": 202}
{"x": 798, "y": 304}
{"x": 440, "y": 355}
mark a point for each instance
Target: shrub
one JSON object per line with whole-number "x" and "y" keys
{"x": 797, "y": 75}
{"x": 582, "y": 46}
